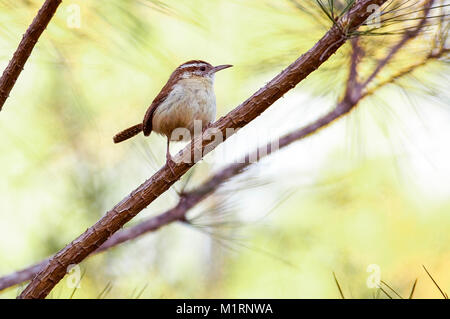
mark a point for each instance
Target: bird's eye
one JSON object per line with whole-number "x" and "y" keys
{"x": 203, "y": 68}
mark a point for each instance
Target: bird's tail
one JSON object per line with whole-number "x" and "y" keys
{"x": 128, "y": 133}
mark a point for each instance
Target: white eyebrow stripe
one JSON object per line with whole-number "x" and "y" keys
{"x": 191, "y": 65}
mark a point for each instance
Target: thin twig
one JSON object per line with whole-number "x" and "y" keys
{"x": 23, "y": 52}
{"x": 407, "y": 36}
{"x": 408, "y": 70}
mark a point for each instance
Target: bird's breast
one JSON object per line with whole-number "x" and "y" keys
{"x": 190, "y": 99}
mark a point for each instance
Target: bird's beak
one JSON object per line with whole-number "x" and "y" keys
{"x": 220, "y": 67}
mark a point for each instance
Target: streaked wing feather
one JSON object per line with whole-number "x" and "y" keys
{"x": 148, "y": 118}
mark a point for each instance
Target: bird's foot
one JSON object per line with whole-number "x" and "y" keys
{"x": 206, "y": 127}
{"x": 170, "y": 163}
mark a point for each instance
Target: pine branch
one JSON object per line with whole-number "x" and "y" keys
{"x": 162, "y": 180}
{"x": 23, "y": 52}
{"x": 407, "y": 36}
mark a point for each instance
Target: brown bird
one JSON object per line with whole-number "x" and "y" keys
{"x": 188, "y": 96}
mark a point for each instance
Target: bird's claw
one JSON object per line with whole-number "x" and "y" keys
{"x": 206, "y": 127}
{"x": 171, "y": 164}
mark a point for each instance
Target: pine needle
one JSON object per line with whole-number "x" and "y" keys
{"x": 392, "y": 289}
{"x": 434, "y": 281}
{"x": 338, "y": 285}
{"x": 413, "y": 289}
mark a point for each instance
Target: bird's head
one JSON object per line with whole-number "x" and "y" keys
{"x": 198, "y": 68}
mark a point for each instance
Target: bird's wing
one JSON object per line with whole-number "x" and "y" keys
{"x": 148, "y": 118}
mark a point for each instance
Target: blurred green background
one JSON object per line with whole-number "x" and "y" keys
{"x": 372, "y": 189}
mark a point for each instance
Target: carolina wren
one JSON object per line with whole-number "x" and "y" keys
{"x": 187, "y": 96}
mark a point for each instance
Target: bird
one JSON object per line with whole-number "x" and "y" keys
{"x": 188, "y": 96}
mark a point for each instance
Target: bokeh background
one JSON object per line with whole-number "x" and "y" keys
{"x": 368, "y": 195}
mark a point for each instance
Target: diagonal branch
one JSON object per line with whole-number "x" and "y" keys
{"x": 25, "y": 47}
{"x": 407, "y": 36}
{"x": 355, "y": 57}
{"x": 408, "y": 70}
{"x": 190, "y": 199}
{"x": 162, "y": 180}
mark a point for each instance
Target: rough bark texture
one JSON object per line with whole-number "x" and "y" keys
{"x": 29, "y": 40}
{"x": 162, "y": 180}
